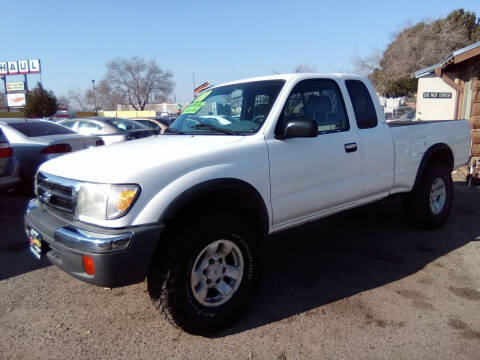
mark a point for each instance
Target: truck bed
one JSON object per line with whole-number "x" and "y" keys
{"x": 396, "y": 123}
{"x": 414, "y": 138}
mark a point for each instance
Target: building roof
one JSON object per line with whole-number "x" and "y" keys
{"x": 455, "y": 57}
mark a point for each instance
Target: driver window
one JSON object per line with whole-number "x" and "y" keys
{"x": 319, "y": 100}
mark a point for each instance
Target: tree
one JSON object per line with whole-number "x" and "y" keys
{"x": 139, "y": 81}
{"x": 107, "y": 98}
{"x": 416, "y": 47}
{"x": 63, "y": 102}
{"x": 40, "y": 103}
{"x": 78, "y": 100}
{"x": 305, "y": 68}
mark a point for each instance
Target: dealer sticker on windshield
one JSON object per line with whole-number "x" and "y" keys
{"x": 197, "y": 104}
{"x": 193, "y": 108}
{"x": 202, "y": 96}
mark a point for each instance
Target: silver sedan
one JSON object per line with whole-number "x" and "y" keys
{"x": 9, "y": 170}
{"x": 35, "y": 141}
{"x": 112, "y": 130}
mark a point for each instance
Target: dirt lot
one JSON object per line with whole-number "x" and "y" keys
{"x": 358, "y": 285}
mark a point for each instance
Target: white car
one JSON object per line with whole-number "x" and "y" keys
{"x": 288, "y": 149}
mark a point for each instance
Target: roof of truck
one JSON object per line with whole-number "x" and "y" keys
{"x": 291, "y": 76}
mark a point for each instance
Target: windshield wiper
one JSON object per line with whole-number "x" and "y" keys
{"x": 213, "y": 127}
{"x": 174, "y": 131}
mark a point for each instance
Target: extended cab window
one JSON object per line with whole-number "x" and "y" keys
{"x": 362, "y": 103}
{"x": 319, "y": 100}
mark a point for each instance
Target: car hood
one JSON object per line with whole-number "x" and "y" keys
{"x": 125, "y": 162}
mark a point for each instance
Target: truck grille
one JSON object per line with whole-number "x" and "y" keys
{"x": 57, "y": 192}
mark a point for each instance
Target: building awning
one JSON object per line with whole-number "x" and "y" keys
{"x": 454, "y": 58}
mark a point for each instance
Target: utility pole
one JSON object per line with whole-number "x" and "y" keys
{"x": 94, "y": 96}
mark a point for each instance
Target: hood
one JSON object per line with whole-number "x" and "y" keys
{"x": 122, "y": 162}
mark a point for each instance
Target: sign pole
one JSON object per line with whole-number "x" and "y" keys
{"x": 26, "y": 95}
{"x": 4, "y": 78}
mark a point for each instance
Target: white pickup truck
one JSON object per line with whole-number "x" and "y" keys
{"x": 188, "y": 210}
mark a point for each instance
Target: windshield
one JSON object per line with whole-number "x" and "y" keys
{"x": 125, "y": 124}
{"x": 231, "y": 109}
{"x": 40, "y": 128}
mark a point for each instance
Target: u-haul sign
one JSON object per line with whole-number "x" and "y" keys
{"x": 31, "y": 66}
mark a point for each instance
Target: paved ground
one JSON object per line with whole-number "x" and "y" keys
{"x": 358, "y": 285}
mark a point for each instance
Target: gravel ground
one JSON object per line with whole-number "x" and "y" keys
{"x": 358, "y": 285}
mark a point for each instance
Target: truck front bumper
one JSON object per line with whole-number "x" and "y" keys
{"x": 121, "y": 256}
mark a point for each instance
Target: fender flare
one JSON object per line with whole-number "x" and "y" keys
{"x": 427, "y": 156}
{"x": 214, "y": 185}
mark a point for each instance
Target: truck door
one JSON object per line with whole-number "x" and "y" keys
{"x": 376, "y": 142}
{"x": 312, "y": 176}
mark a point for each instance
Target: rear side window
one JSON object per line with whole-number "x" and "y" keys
{"x": 126, "y": 125}
{"x": 69, "y": 124}
{"x": 149, "y": 124}
{"x": 363, "y": 107}
{"x": 40, "y": 128}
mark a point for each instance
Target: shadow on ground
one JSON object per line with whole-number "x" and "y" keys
{"x": 312, "y": 265}
{"x": 15, "y": 258}
{"x": 351, "y": 252}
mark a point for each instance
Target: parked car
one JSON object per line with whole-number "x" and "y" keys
{"x": 300, "y": 147}
{"x": 151, "y": 123}
{"x": 9, "y": 169}
{"x": 36, "y": 141}
{"x": 166, "y": 120}
{"x": 112, "y": 130}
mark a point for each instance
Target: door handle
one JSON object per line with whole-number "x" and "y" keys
{"x": 350, "y": 147}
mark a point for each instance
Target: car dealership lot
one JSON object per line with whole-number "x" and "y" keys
{"x": 361, "y": 284}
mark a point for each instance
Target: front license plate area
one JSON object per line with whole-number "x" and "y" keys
{"x": 36, "y": 243}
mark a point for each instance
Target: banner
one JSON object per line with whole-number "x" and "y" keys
{"x": 16, "y": 100}
{"x": 15, "y": 86}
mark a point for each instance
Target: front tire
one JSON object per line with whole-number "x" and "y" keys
{"x": 429, "y": 204}
{"x": 207, "y": 278}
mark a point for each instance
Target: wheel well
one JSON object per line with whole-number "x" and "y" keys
{"x": 443, "y": 155}
{"x": 227, "y": 199}
{"x": 439, "y": 153}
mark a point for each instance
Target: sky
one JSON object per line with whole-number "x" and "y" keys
{"x": 216, "y": 40}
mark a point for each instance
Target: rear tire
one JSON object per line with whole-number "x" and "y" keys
{"x": 429, "y": 204}
{"x": 200, "y": 254}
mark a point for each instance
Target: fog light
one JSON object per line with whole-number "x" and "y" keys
{"x": 88, "y": 265}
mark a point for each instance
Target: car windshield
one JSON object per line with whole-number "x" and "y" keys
{"x": 231, "y": 109}
{"x": 40, "y": 128}
{"x": 125, "y": 124}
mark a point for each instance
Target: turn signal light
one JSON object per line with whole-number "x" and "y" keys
{"x": 125, "y": 199}
{"x": 56, "y": 149}
{"x": 88, "y": 264}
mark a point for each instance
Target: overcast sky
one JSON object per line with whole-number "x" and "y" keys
{"x": 216, "y": 40}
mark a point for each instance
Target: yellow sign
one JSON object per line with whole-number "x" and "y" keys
{"x": 129, "y": 114}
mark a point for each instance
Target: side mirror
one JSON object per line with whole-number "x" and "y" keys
{"x": 299, "y": 128}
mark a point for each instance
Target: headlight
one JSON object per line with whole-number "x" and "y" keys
{"x": 105, "y": 201}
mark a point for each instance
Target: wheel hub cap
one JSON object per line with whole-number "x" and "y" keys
{"x": 214, "y": 271}
{"x": 217, "y": 273}
{"x": 438, "y": 196}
